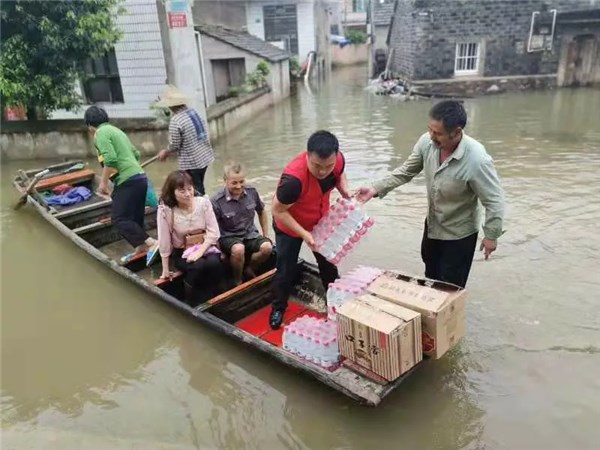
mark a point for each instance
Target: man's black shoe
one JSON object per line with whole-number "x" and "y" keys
{"x": 276, "y": 318}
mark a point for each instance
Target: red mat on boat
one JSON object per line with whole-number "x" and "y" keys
{"x": 257, "y": 324}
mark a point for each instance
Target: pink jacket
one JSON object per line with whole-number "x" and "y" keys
{"x": 173, "y": 225}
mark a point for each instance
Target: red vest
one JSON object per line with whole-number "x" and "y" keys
{"x": 313, "y": 203}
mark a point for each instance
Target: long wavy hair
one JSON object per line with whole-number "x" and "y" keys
{"x": 177, "y": 179}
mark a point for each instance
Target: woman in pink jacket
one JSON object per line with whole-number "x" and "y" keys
{"x": 187, "y": 234}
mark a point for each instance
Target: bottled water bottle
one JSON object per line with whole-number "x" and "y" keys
{"x": 311, "y": 338}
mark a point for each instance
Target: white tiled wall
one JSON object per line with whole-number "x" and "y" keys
{"x": 140, "y": 60}
{"x": 306, "y": 29}
{"x": 255, "y": 23}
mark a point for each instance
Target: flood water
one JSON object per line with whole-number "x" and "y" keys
{"x": 91, "y": 362}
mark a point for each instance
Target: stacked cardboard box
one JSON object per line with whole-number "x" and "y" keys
{"x": 388, "y": 330}
{"x": 441, "y": 305}
{"x": 380, "y": 336}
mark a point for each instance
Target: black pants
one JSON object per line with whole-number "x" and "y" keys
{"x": 288, "y": 249}
{"x": 198, "y": 179}
{"x": 128, "y": 206}
{"x": 204, "y": 275}
{"x": 448, "y": 261}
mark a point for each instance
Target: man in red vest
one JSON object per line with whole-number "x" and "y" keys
{"x": 302, "y": 198}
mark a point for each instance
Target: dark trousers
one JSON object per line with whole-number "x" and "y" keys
{"x": 288, "y": 249}
{"x": 198, "y": 179}
{"x": 448, "y": 261}
{"x": 204, "y": 275}
{"x": 128, "y": 207}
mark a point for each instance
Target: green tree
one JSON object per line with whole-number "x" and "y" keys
{"x": 44, "y": 45}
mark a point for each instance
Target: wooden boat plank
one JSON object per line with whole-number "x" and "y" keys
{"x": 69, "y": 178}
{"x": 265, "y": 277}
{"x": 92, "y": 227}
{"x": 78, "y": 209}
{"x": 117, "y": 249}
{"x": 103, "y": 235}
{"x": 54, "y": 167}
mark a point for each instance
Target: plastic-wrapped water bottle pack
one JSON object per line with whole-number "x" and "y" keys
{"x": 341, "y": 229}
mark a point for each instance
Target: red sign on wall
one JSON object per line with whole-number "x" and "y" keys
{"x": 177, "y": 20}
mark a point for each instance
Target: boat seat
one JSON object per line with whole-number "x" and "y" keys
{"x": 69, "y": 178}
{"x": 104, "y": 222}
{"x": 92, "y": 226}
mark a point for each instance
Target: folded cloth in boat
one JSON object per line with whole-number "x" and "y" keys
{"x": 193, "y": 248}
{"x": 62, "y": 189}
{"x": 72, "y": 197}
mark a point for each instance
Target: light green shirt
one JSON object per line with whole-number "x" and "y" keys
{"x": 116, "y": 150}
{"x": 453, "y": 188}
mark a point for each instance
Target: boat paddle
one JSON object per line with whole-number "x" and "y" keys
{"x": 37, "y": 177}
{"x": 150, "y": 161}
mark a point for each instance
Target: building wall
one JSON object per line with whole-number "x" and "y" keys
{"x": 54, "y": 139}
{"x": 381, "y": 33}
{"x": 216, "y": 49}
{"x": 349, "y": 55}
{"x": 404, "y": 35}
{"x": 230, "y": 14}
{"x": 233, "y": 112}
{"x": 278, "y": 78}
{"x": 425, "y": 34}
{"x": 307, "y": 40}
{"x": 67, "y": 139}
{"x": 351, "y": 19}
{"x": 306, "y": 23}
{"x": 141, "y": 63}
{"x": 322, "y": 32}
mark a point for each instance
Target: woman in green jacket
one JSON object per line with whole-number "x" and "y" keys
{"x": 121, "y": 165}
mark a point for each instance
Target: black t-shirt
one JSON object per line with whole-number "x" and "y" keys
{"x": 290, "y": 187}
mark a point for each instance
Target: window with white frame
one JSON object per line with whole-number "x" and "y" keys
{"x": 467, "y": 58}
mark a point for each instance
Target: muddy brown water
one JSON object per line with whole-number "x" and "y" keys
{"x": 91, "y": 362}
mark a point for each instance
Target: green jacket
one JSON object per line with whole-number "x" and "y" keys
{"x": 116, "y": 150}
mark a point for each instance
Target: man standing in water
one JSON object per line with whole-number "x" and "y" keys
{"x": 300, "y": 201}
{"x": 188, "y": 137}
{"x": 458, "y": 173}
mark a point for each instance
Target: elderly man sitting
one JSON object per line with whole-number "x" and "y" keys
{"x": 235, "y": 206}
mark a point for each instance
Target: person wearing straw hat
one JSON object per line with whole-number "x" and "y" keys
{"x": 188, "y": 137}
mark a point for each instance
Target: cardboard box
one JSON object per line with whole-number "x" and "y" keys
{"x": 442, "y": 308}
{"x": 380, "y": 336}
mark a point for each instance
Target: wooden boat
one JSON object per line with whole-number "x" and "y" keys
{"x": 240, "y": 312}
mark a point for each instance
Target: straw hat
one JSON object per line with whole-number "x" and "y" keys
{"x": 170, "y": 97}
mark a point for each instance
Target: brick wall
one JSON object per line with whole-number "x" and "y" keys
{"x": 425, "y": 34}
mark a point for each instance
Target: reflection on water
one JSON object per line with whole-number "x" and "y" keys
{"x": 91, "y": 362}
